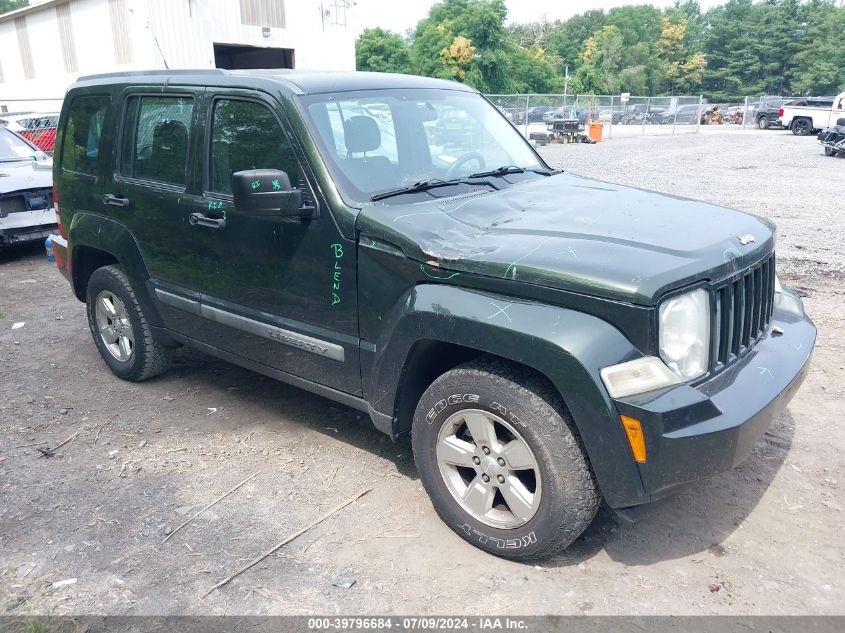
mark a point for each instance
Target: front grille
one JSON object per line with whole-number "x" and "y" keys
{"x": 744, "y": 304}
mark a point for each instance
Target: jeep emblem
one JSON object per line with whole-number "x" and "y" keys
{"x": 745, "y": 239}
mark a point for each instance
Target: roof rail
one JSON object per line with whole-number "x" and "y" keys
{"x": 157, "y": 73}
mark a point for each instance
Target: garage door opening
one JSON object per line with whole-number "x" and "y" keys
{"x": 233, "y": 57}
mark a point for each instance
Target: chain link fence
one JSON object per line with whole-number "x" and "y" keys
{"x": 34, "y": 119}
{"x": 535, "y": 114}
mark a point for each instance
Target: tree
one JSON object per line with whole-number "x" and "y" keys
{"x": 382, "y": 51}
{"x": 820, "y": 62}
{"x": 567, "y": 39}
{"x": 683, "y": 70}
{"x": 601, "y": 62}
{"x": 12, "y": 5}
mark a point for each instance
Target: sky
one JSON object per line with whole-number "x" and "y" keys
{"x": 401, "y": 15}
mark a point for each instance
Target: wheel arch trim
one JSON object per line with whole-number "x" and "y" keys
{"x": 567, "y": 347}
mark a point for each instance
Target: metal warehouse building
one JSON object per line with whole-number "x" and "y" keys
{"x": 46, "y": 46}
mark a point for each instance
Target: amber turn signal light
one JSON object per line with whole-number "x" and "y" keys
{"x": 634, "y": 431}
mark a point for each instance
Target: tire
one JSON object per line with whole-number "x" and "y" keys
{"x": 829, "y": 151}
{"x": 542, "y": 506}
{"x": 763, "y": 122}
{"x": 121, "y": 332}
{"x": 802, "y": 127}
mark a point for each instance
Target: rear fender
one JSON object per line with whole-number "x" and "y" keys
{"x": 566, "y": 346}
{"x": 104, "y": 234}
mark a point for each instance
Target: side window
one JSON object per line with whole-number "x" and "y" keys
{"x": 82, "y": 135}
{"x": 155, "y": 138}
{"x": 246, "y": 135}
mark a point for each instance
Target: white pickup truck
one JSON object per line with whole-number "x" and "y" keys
{"x": 803, "y": 120}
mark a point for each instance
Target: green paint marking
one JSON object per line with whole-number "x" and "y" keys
{"x": 531, "y": 252}
{"x": 337, "y": 249}
{"x": 276, "y": 185}
{"x": 428, "y": 274}
{"x": 255, "y": 184}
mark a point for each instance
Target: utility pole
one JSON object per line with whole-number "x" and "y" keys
{"x": 566, "y": 84}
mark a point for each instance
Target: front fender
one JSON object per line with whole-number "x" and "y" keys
{"x": 566, "y": 346}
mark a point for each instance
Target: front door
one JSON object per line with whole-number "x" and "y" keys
{"x": 278, "y": 291}
{"x": 150, "y": 192}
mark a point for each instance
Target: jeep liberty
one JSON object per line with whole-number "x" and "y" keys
{"x": 394, "y": 244}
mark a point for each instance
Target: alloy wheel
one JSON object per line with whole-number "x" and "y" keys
{"x": 114, "y": 326}
{"x": 489, "y": 468}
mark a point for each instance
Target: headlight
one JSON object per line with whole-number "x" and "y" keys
{"x": 685, "y": 333}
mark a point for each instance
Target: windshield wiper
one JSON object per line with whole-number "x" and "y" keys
{"x": 509, "y": 169}
{"x": 422, "y": 185}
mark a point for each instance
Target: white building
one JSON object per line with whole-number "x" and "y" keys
{"x": 46, "y": 46}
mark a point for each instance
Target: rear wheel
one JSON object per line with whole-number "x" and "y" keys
{"x": 802, "y": 127}
{"x": 120, "y": 330}
{"x": 502, "y": 462}
{"x": 763, "y": 122}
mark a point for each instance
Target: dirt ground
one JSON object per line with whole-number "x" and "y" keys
{"x": 765, "y": 538}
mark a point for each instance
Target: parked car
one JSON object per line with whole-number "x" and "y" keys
{"x": 26, "y": 191}
{"x": 536, "y": 114}
{"x": 37, "y": 128}
{"x": 766, "y": 113}
{"x": 805, "y": 116}
{"x": 637, "y": 114}
{"x": 683, "y": 114}
{"x": 564, "y": 112}
{"x": 539, "y": 362}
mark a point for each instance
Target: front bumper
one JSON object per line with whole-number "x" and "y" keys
{"x": 26, "y": 234}
{"x": 692, "y": 433}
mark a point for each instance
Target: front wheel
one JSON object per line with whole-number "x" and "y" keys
{"x": 499, "y": 456}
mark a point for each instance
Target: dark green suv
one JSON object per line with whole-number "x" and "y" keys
{"x": 394, "y": 244}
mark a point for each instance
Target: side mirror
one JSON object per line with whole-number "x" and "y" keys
{"x": 267, "y": 192}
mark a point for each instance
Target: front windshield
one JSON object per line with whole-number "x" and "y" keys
{"x": 380, "y": 140}
{"x": 13, "y": 148}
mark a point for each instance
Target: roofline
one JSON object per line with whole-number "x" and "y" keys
{"x": 154, "y": 73}
{"x": 33, "y": 8}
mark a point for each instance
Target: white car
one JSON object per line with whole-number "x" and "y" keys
{"x": 804, "y": 119}
{"x": 27, "y": 212}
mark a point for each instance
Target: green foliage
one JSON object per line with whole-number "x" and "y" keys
{"x": 11, "y": 5}
{"x": 742, "y": 47}
{"x": 382, "y": 51}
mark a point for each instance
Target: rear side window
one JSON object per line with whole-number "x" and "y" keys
{"x": 246, "y": 135}
{"x": 83, "y": 134}
{"x": 155, "y": 138}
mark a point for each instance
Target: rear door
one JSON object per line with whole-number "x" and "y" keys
{"x": 277, "y": 291}
{"x": 151, "y": 192}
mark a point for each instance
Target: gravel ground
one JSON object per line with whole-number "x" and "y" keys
{"x": 768, "y": 172}
{"x": 765, "y": 538}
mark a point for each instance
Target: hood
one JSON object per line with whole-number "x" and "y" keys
{"x": 22, "y": 175}
{"x": 576, "y": 234}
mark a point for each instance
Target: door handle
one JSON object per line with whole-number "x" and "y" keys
{"x": 198, "y": 219}
{"x": 115, "y": 201}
